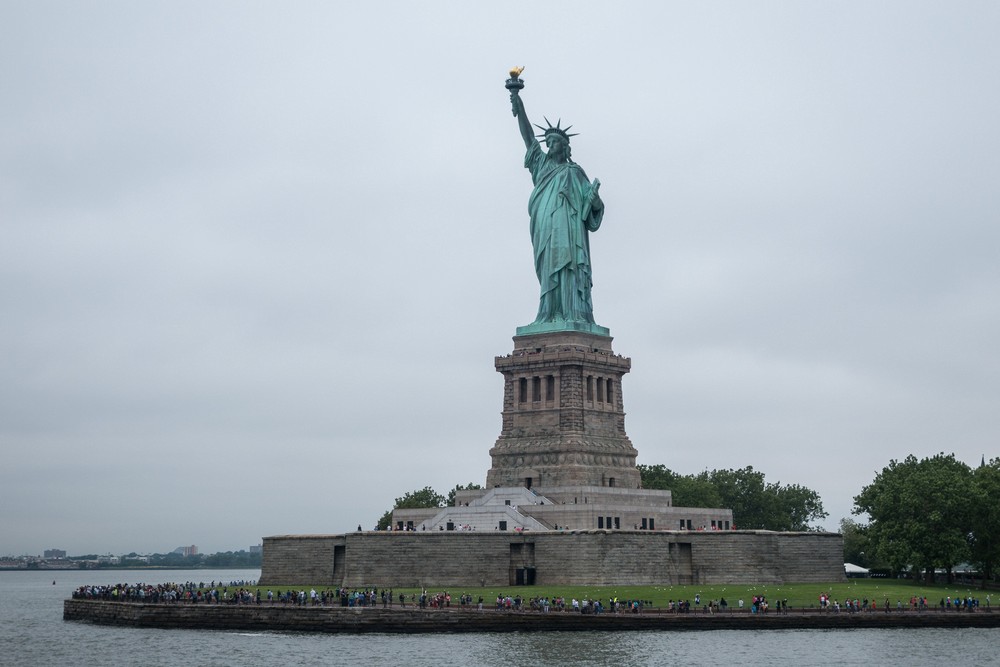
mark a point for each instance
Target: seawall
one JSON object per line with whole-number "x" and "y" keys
{"x": 606, "y": 557}
{"x": 289, "y": 618}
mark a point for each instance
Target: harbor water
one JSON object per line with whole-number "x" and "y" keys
{"x": 32, "y": 632}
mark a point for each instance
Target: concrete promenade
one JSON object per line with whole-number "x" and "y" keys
{"x": 293, "y": 618}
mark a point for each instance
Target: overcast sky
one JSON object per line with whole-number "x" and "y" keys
{"x": 257, "y": 258}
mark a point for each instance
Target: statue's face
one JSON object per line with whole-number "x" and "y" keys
{"x": 556, "y": 145}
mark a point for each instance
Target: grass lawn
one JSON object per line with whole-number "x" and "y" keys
{"x": 799, "y": 596}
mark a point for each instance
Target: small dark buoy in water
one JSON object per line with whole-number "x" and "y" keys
{"x": 53, "y": 582}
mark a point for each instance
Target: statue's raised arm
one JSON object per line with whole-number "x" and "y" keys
{"x": 514, "y": 85}
{"x": 522, "y": 118}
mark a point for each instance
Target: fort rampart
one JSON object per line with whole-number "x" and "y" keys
{"x": 592, "y": 557}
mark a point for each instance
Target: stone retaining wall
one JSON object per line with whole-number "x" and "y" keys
{"x": 302, "y": 558}
{"x": 345, "y": 620}
{"x": 598, "y": 557}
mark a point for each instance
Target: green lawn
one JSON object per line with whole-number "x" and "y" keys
{"x": 799, "y": 596}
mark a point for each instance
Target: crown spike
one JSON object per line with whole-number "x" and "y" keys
{"x": 554, "y": 129}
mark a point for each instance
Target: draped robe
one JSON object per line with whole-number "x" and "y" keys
{"x": 561, "y": 218}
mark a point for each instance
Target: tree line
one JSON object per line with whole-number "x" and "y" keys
{"x": 241, "y": 559}
{"x": 756, "y": 503}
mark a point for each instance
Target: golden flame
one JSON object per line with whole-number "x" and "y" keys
{"x": 516, "y": 71}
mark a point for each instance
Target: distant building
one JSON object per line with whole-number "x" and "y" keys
{"x": 186, "y": 551}
{"x": 54, "y": 553}
{"x": 256, "y": 548}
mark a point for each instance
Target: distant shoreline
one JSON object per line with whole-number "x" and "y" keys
{"x": 291, "y": 618}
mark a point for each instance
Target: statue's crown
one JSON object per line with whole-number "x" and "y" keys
{"x": 556, "y": 129}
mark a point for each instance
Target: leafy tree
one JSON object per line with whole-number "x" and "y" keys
{"x": 856, "y": 547}
{"x": 425, "y": 497}
{"x": 746, "y": 493}
{"x": 450, "y": 502}
{"x": 755, "y": 503}
{"x": 920, "y": 512}
{"x": 685, "y": 490}
{"x": 798, "y": 507}
{"x": 985, "y": 518}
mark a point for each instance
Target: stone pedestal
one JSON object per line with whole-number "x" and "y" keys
{"x": 563, "y": 414}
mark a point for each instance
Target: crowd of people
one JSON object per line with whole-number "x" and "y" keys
{"x": 246, "y": 592}
{"x": 188, "y": 591}
{"x": 916, "y": 603}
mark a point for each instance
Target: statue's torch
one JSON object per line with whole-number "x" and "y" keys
{"x": 514, "y": 84}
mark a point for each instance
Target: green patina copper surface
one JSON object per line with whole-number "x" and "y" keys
{"x": 562, "y": 325}
{"x": 564, "y": 208}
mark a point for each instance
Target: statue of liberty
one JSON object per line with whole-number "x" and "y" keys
{"x": 564, "y": 208}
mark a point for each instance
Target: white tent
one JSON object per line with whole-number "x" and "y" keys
{"x": 853, "y": 570}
